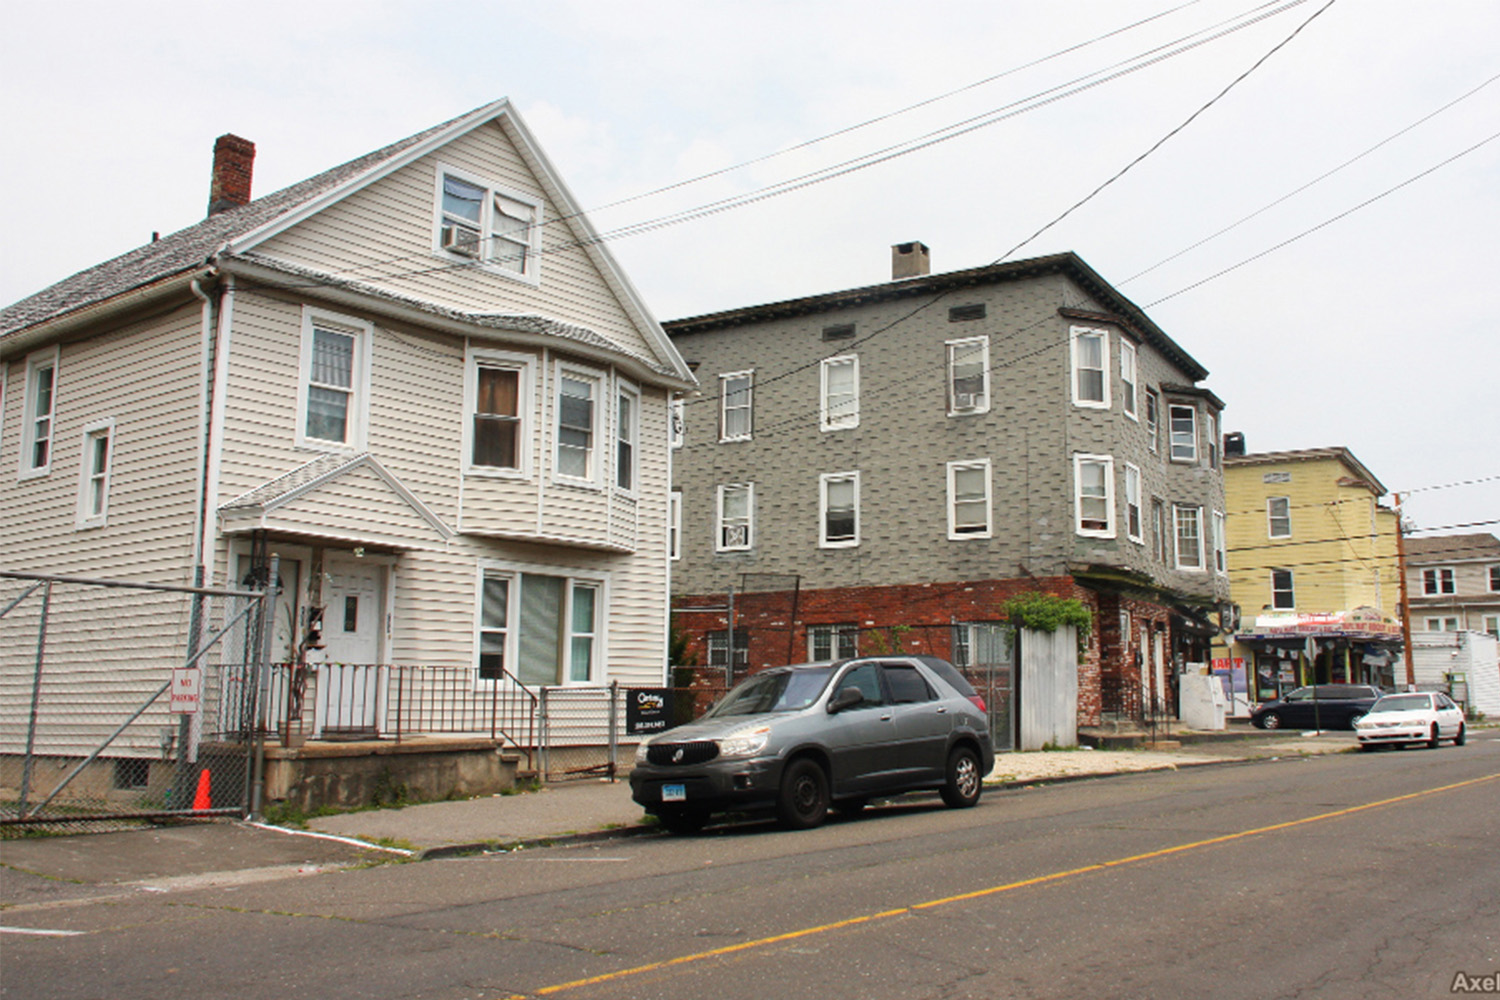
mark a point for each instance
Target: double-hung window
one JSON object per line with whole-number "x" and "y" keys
{"x": 1283, "y": 595}
{"x": 832, "y": 642}
{"x": 968, "y": 376}
{"x": 627, "y": 431}
{"x": 1211, "y": 439}
{"x": 736, "y": 399}
{"x": 1188, "y": 519}
{"x": 1153, "y": 416}
{"x": 1279, "y": 517}
{"x": 1128, "y": 379}
{"x": 735, "y": 527}
{"x": 480, "y": 221}
{"x": 540, "y": 628}
{"x": 674, "y": 524}
{"x": 1183, "y": 432}
{"x": 969, "y": 499}
{"x": 1221, "y": 545}
{"x": 1090, "y": 367}
{"x": 840, "y": 392}
{"x": 578, "y": 395}
{"x": 334, "y": 402}
{"x": 40, "y": 404}
{"x": 93, "y": 480}
{"x": 499, "y": 393}
{"x": 1438, "y": 581}
{"x": 1094, "y": 495}
{"x": 1134, "y": 530}
{"x": 838, "y": 504}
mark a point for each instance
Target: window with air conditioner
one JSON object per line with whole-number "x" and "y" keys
{"x": 968, "y": 376}
{"x": 839, "y": 405}
{"x": 494, "y": 227}
{"x": 734, "y": 530}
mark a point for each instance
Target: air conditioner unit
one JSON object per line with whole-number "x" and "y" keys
{"x": 966, "y": 400}
{"x": 461, "y": 240}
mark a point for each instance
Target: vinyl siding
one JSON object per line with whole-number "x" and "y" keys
{"x": 383, "y": 235}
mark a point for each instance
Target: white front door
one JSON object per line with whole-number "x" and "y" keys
{"x": 351, "y": 678}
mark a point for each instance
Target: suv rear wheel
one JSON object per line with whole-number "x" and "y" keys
{"x": 964, "y": 783}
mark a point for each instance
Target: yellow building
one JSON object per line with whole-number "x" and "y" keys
{"x": 1313, "y": 570}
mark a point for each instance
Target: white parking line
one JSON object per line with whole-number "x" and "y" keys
{"x": 39, "y": 931}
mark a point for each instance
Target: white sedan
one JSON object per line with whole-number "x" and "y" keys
{"x": 1417, "y": 717}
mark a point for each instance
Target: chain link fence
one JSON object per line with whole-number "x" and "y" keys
{"x": 123, "y": 701}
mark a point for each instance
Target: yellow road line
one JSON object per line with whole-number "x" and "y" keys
{"x": 994, "y": 890}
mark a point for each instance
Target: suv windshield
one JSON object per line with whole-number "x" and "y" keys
{"x": 782, "y": 691}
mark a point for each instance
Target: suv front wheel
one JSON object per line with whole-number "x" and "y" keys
{"x": 964, "y": 783}
{"x": 803, "y": 801}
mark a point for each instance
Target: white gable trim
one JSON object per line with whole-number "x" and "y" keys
{"x": 247, "y": 504}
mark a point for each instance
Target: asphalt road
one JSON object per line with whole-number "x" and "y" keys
{"x": 1352, "y": 875}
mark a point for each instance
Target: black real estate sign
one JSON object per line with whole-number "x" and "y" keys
{"x": 648, "y": 710}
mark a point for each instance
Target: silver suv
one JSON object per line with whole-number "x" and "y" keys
{"x": 799, "y": 739}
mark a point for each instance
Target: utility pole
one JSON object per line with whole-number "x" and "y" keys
{"x": 1411, "y": 672}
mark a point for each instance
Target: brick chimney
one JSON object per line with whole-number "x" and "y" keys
{"x": 910, "y": 260}
{"x": 234, "y": 162}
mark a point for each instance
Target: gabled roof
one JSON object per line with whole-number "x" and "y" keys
{"x": 1121, "y": 311}
{"x": 316, "y": 474}
{"x": 234, "y": 234}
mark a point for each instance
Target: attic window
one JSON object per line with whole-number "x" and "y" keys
{"x": 843, "y": 331}
{"x": 478, "y": 221}
{"x": 959, "y": 314}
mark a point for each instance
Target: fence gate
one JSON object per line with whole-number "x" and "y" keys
{"x": 125, "y": 700}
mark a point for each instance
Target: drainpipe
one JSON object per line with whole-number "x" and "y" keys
{"x": 213, "y": 438}
{"x": 205, "y": 396}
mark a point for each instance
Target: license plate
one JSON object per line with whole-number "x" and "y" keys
{"x": 674, "y": 793}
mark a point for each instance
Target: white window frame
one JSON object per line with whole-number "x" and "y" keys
{"x": 1135, "y": 517}
{"x": 955, "y": 533}
{"x": 1190, "y": 438}
{"x": 486, "y": 259}
{"x": 1439, "y": 580}
{"x": 749, "y": 433}
{"x": 834, "y": 637}
{"x": 599, "y": 430}
{"x": 525, "y": 367}
{"x": 91, "y": 482}
{"x": 627, "y": 438}
{"x": 849, "y": 417}
{"x": 1107, "y": 464}
{"x": 357, "y": 413}
{"x": 1196, "y": 518}
{"x": 1492, "y": 625}
{"x": 1077, "y": 334}
{"x": 1129, "y": 385}
{"x": 1272, "y": 517}
{"x": 1221, "y": 543}
{"x": 981, "y": 401}
{"x": 677, "y": 422}
{"x": 721, "y": 522}
{"x": 674, "y": 525}
{"x": 573, "y": 580}
{"x": 1290, "y": 590}
{"x": 1153, "y": 421}
{"x": 30, "y": 415}
{"x": 826, "y": 480}
{"x": 1442, "y": 623}
{"x": 1211, "y": 438}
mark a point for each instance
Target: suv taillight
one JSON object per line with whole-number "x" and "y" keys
{"x": 978, "y": 702}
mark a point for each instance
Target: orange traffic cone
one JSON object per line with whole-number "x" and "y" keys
{"x": 202, "y": 802}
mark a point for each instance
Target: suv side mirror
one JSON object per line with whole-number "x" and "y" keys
{"x": 847, "y": 698}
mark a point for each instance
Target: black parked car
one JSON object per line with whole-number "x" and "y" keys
{"x": 797, "y": 740}
{"x": 1333, "y": 706}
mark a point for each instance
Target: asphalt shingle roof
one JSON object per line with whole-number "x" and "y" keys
{"x": 188, "y": 248}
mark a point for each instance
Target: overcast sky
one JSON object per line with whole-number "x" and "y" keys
{"x": 1375, "y": 331}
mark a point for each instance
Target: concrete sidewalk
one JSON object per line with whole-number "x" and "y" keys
{"x": 44, "y": 869}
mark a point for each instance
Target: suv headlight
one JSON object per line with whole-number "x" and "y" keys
{"x": 640, "y": 753}
{"x": 744, "y": 742}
